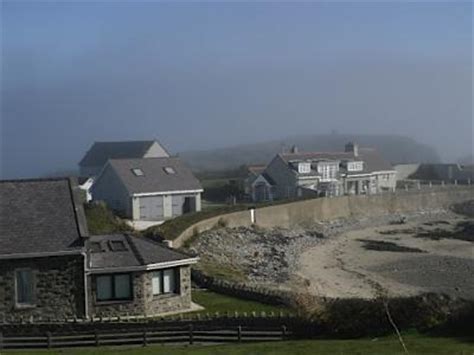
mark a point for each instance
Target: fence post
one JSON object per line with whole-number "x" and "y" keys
{"x": 145, "y": 340}
{"x": 191, "y": 340}
{"x": 283, "y": 332}
{"x": 50, "y": 340}
{"x": 1, "y": 340}
{"x": 239, "y": 333}
{"x": 97, "y": 340}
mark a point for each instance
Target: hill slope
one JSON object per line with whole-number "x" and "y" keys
{"x": 396, "y": 149}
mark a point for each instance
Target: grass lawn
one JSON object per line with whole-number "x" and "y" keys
{"x": 416, "y": 344}
{"x": 216, "y": 302}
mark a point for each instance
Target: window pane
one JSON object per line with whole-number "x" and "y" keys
{"x": 24, "y": 284}
{"x": 168, "y": 280}
{"x": 104, "y": 287}
{"x": 122, "y": 286}
{"x": 156, "y": 283}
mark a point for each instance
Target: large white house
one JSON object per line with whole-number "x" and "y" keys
{"x": 296, "y": 174}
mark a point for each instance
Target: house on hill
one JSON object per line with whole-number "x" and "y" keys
{"x": 151, "y": 189}
{"x": 100, "y": 152}
{"x": 354, "y": 171}
{"x": 51, "y": 269}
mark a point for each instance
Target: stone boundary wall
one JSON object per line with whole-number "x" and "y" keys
{"x": 241, "y": 290}
{"x": 324, "y": 209}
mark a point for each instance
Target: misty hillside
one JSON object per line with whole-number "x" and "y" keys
{"x": 397, "y": 149}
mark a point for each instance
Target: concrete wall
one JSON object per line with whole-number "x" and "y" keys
{"x": 323, "y": 209}
{"x": 58, "y": 284}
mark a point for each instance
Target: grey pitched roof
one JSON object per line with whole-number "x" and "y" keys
{"x": 373, "y": 161}
{"x": 154, "y": 178}
{"x": 100, "y": 152}
{"x": 140, "y": 251}
{"x": 40, "y": 216}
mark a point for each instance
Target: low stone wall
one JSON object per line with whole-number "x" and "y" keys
{"x": 241, "y": 290}
{"x": 324, "y": 209}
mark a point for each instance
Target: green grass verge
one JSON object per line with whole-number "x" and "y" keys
{"x": 215, "y": 302}
{"x": 225, "y": 272}
{"x": 174, "y": 227}
{"x": 416, "y": 344}
{"x": 101, "y": 220}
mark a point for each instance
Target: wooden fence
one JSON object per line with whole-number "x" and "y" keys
{"x": 186, "y": 334}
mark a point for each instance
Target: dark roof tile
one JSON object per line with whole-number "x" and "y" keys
{"x": 40, "y": 216}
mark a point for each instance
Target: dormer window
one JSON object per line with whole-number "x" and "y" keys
{"x": 304, "y": 168}
{"x": 137, "y": 172}
{"x": 169, "y": 170}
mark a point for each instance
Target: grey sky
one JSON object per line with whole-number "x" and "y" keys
{"x": 199, "y": 76}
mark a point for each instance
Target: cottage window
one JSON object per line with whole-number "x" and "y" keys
{"x": 114, "y": 287}
{"x": 24, "y": 287}
{"x": 165, "y": 281}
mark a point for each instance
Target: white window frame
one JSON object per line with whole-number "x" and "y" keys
{"x": 160, "y": 275}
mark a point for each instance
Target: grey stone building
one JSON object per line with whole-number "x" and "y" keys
{"x": 152, "y": 189}
{"x": 42, "y": 255}
{"x": 51, "y": 269}
{"x": 297, "y": 174}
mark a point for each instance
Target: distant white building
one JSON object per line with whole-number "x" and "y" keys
{"x": 353, "y": 172}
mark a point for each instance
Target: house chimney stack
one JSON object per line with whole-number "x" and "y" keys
{"x": 294, "y": 149}
{"x": 352, "y": 147}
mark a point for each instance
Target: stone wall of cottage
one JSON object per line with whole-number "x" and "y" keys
{"x": 143, "y": 302}
{"x": 169, "y": 303}
{"x": 58, "y": 289}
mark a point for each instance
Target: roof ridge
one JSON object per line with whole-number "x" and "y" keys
{"x": 146, "y": 159}
{"x": 134, "y": 249}
{"x": 59, "y": 178}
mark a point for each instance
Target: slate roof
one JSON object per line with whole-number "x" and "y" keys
{"x": 154, "y": 178}
{"x": 40, "y": 216}
{"x": 140, "y": 251}
{"x": 373, "y": 161}
{"x": 100, "y": 152}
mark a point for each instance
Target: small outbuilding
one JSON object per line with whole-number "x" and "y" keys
{"x": 151, "y": 189}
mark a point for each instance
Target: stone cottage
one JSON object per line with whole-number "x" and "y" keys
{"x": 51, "y": 269}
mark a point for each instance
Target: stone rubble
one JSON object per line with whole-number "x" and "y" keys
{"x": 271, "y": 256}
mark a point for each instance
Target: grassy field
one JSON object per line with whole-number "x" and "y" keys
{"x": 215, "y": 302}
{"x": 415, "y": 343}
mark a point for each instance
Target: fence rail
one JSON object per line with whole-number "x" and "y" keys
{"x": 189, "y": 334}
